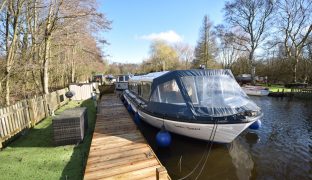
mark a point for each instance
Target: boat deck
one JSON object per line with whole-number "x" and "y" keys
{"x": 118, "y": 149}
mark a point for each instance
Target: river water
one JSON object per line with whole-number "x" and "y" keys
{"x": 281, "y": 149}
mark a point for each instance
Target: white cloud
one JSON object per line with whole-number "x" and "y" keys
{"x": 169, "y": 36}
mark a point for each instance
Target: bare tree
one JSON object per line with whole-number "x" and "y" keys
{"x": 229, "y": 51}
{"x": 48, "y": 43}
{"x": 13, "y": 12}
{"x": 249, "y": 19}
{"x": 295, "y": 23}
{"x": 185, "y": 53}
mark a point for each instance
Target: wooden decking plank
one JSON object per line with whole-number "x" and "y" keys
{"x": 120, "y": 128}
{"x": 99, "y": 135}
{"x": 124, "y": 169}
{"x": 117, "y": 145}
{"x": 95, "y": 156}
{"x": 108, "y": 135}
{"x": 117, "y": 164}
{"x": 130, "y": 143}
{"x": 117, "y": 125}
{"x": 141, "y": 174}
{"x": 117, "y": 150}
{"x": 112, "y": 150}
{"x": 109, "y": 118}
{"x": 109, "y": 121}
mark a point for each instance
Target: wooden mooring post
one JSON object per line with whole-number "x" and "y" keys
{"x": 161, "y": 173}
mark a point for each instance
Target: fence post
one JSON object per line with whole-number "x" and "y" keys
{"x": 1, "y": 143}
{"x": 45, "y": 104}
{"x": 161, "y": 173}
{"x": 26, "y": 113}
{"x": 31, "y": 112}
{"x": 58, "y": 99}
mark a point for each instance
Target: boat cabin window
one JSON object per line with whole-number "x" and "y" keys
{"x": 126, "y": 78}
{"x": 168, "y": 93}
{"x": 120, "y": 78}
{"x": 145, "y": 90}
{"x": 133, "y": 87}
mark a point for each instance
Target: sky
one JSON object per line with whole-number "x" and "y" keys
{"x": 136, "y": 23}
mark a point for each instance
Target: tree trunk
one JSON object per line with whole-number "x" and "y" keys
{"x": 295, "y": 73}
{"x": 34, "y": 48}
{"x": 47, "y": 41}
{"x": 252, "y": 71}
{"x": 46, "y": 65}
{"x": 73, "y": 68}
{"x": 7, "y": 88}
{"x": 7, "y": 69}
{"x": 11, "y": 49}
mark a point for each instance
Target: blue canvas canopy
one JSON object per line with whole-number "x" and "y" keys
{"x": 197, "y": 94}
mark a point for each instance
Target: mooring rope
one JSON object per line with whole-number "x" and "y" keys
{"x": 210, "y": 142}
{"x": 208, "y": 152}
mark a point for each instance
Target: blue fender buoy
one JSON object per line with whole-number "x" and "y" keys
{"x": 163, "y": 138}
{"x": 256, "y": 125}
{"x": 137, "y": 118}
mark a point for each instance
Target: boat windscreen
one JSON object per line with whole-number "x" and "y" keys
{"x": 217, "y": 95}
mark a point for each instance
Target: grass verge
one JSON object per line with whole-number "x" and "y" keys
{"x": 33, "y": 155}
{"x": 277, "y": 88}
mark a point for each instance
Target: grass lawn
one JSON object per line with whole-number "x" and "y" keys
{"x": 278, "y": 88}
{"x": 33, "y": 155}
{"x": 275, "y": 88}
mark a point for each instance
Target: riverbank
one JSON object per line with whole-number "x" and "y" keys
{"x": 276, "y": 88}
{"x": 33, "y": 155}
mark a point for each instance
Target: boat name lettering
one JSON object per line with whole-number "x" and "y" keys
{"x": 189, "y": 128}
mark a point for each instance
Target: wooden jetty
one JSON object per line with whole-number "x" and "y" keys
{"x": 118, "y": 149}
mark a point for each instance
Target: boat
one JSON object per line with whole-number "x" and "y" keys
{"x": 256, "y": 90}
{"x": 122, "y": 82}
{"x": 206, "y": 104}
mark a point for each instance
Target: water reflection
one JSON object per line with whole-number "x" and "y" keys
{"x": 252, "y": 138}
{"x": 241, "y": 158}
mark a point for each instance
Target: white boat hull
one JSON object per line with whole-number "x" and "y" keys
{"x": 256, "y": 92}
{"x": 225, "y": 133}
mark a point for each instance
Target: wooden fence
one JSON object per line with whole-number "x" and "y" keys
{"x": 302, "y": 93}
{"x": 302, "y": 90}
{"x": 27, "y": 113}
{"x": 83, "y": 91}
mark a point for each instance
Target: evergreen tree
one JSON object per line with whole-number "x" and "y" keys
{"x": 205, "y": 49}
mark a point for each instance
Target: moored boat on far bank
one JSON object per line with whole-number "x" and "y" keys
{"x": 256, "y": 90}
